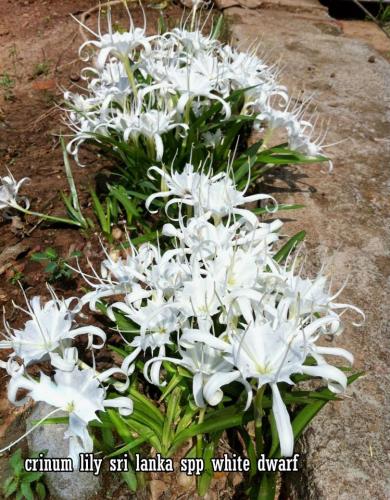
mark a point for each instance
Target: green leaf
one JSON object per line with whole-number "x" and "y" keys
{"x": 10, "y": 486}
{"x": 169, "y": 421}
{"x": 30, "y": 477}
{"x": 51, "y": 253}
{"x": 204, "y": 480}
{"x": 150, "y": 408}
{"x": 281, "y": 207}
{"x": 130, "y": 478}
{"x": 120, "y": 426}
{"x": 76, "y": 253}
{"x": 27, "y": 492}
{"x": 175, "y": 380}
{"x": 38, "y": 257}
{"x": 143, "y": 430}
{"x": 16, "y": 461}
{"x": 289, "y": 246}
{"x": 250, "y": 450}
{"x": 122, "y": 196}
{"x": 103, "y": 218}
{"x": 217, "y": 30}
{"x": 40, "y": 490}
{"x": 145, "y": 238}
{"x": 51, "y": 267}
{"x": 108, "y": 438}
{"x": 131, "y": 445}
{"x": 267, "y": 486}
{"x": 230, "y": 417}
{"x": 186, "y": 420}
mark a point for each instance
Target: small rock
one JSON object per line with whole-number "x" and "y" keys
{"x": 186, "y": 481}
{"x": 61, "y": 485}
{"x": 371, "y": 59}
{"x": 117, "y": 233}
{"x": 74, "y": 77}
{"x": 12, "y": 253}
{"x": 157, "y": 489}
{"x": 332, "y": 75}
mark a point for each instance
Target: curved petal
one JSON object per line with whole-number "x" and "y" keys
{"x": 190, "y": 336}
{"x": 335, "y": 351}
{"x": 197, "y": 389}
{"x": 124, "y": 404}
{"x": 91, "y": 331}
{"x": 212, "y": 390}
{"x": 337, "y": 380}
{"x": 159, "y": 147}
{"x": 283, "y": 423}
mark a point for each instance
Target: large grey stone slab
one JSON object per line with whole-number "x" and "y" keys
{"x": 62, "y": 485}
{"x": 346, "y": 450}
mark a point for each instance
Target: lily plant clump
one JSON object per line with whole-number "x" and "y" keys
{"x": 216, "y": 331}
{"x": 214, "y": 327}
{"x": 162, "y": 99}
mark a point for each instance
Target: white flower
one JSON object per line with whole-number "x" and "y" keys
{"x": 203, "y": 362}
{"x": 118, "y": 44}
{"x": 118, "y": 275}
{"x": 9, "y": 188}
{"x": 78, "y": 393}
{"x": 215, "y": 195}
{"x": 271, "y": 353}
{"x": 48, "y": 332}
{"x": 193, "y": 41}
{"x": 153, "y": 124}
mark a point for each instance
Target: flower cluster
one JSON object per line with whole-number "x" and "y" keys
{"x": 142, "y": 89}
{"x": 218, "y": 303}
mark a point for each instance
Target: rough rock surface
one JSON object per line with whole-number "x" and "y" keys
{"x": 346, "y": 450}
{"x": 61, "y": 485}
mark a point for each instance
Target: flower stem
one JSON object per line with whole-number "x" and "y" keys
{"x": 199, "y": 437}
{"x": 30, "y": 430}
{"x": 259, "y": 412}
{"x": 267, "y": 137}
{"x": 47, "y": 217}
{"x": 130, "y": 74}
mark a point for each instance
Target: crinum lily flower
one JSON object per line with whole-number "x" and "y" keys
{"x": 49, "y": 331}
{"x": 116, "y": 43}
{"x": 190, "y": 84}
{"x": 271, "y": 353}
{"x": 203, "y": 362}
{"x": 9, "y": 188}
{"x": 211, "y": 195}
{"x": 79, "y": 393}
{"x": 153, "y": 124}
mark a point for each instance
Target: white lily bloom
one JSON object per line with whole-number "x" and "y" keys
{"x": 49, "y": 331}
{"x": 9, "y": 197}
{"x": 219, "y": 304}
{"x": 213, "y": 195}
{"x": 117, "y": 44}
{"x": 79, "y": 393}
{"x": 193, "y": 41}
{"x": 271, "y": 354}
{"x": 118, "y": 275}
{"x": 203, "y": 362}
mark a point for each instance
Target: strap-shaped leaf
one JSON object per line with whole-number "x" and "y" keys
{"x": 289, "y": 246}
